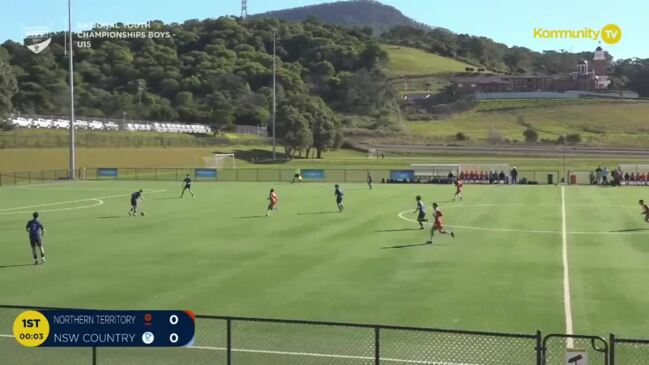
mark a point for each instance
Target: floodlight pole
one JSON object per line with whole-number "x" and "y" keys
{"x": 72, "y": 161}
{"x": 274, "y": 92}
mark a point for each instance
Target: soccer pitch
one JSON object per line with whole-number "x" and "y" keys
{"x": 219, "y": 254}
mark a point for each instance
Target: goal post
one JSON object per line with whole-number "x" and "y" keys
{"x": 434, "y": 171}
{"x": 220, "y": 161}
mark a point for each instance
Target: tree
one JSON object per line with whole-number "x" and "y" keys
{"x": 293, "y": 129}
{"x": 8, "y": 87}
{"x": 531, "y": 135}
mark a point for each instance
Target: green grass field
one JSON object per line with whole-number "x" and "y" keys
{"x": 599, "y": 123}
{"x": 219, "y": 254}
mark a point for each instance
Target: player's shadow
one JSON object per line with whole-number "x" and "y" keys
{"x": 252, "y": 217}
{"x": 169, "y": 198}
{"x": 407, "y": 246}
{"x": 318, "y": 213}
{"x": 16, "y": 265}
{"x": 111, "y": 217}
{"x": 631, "y": 230}
{"x": 398, "y": 230}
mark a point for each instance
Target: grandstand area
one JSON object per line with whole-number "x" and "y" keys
{"x": 106, "y": 125}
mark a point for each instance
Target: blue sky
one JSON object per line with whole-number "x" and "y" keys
{"x": 507, "y": 21}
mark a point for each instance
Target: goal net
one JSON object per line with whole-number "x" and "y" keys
{"x": 424, "y": 171}
{"x": 220, "y": 161}
{"x": 372, "y": 154}
{"x": 633, "y": 168}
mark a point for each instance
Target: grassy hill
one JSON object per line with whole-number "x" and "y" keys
{"x": 350, "y": 14}
{"x": 417, "y": 71}
{"x": 598, "y": 122}
{"x": 412, "y": 61}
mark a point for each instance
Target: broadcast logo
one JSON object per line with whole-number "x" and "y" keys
{"x": 37, "y": 38}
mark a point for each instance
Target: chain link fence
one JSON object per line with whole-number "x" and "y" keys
{"x": 629, "y": 351}
{"x": 230, "y": 174}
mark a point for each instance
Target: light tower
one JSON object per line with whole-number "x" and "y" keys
{"x": 244, "y": 8}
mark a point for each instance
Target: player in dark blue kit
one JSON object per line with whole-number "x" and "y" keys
{"x": 421, "y": 208}
{"x": 36, "y": 233}
{"x": 134, "y": 198}
{"x": 187, "y": 185}
{"x": 339, "y": 198}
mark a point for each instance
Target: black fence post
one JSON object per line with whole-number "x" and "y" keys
{"x": 539, "y": 348}
{"x": 94, "y": 355}
{"x": 612, "y": 351}
{"x": 229, "y": 342}
{"x": 377, "y": 345}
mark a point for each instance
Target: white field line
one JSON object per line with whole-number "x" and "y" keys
{"x": 98, "y": 203}
{"x": 76, "y": 201}
{"x": 490, "y": 229}
{"x": 314, "y": 354}
{"x": 567, "y": 305}
{"x": 63, "y": 182}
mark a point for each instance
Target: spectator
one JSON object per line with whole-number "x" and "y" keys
{"x": 502, "y": 177}
{"x": 514, "y": 175}
{"x": 627, "y": 178}
{"x": 598, "y": 173}
{"x": 593, "y": 178}
{"x": 605, "y": 172}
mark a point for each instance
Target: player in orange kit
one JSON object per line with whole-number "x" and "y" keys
{"x": 272, "y": 201}
{"x": 458, "y": 189}
{"x": 439, "y": 223}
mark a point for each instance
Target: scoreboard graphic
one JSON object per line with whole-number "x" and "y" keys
{"x": 99, "y": 328}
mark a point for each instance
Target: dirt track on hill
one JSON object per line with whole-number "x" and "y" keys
{"x": 531, "y": 151}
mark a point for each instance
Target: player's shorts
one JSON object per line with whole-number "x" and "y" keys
{"x": 438, "y": 226}
{"x": 296, "y": 176}
{"x": 35, "y": 241}
{"x": 458, "y": 191}
{"x": 187, "y": 187}
{"x": 272, "y": 205}
{"x": 339, "y": 200}
{"x": 421, "y": 216}
{"x": 134, "y": 202}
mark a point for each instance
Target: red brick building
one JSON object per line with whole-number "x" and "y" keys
{"x": 586, "y": 77}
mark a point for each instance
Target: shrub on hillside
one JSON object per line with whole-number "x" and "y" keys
{"x": 461, "y": 136}
{"x": 495, "y": 136}
{"x": 530, "y": 135}
{"x": 573, "y": 138}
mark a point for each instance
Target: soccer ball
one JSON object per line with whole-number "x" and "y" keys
{"x": 141, "y": 213}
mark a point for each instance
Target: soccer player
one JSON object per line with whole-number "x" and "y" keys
{"x": 36, "y": 232}
{"x": 187, "y": 185}
{"x": 369, "y": 179}
{"x": 134, "y": 198}
{"x": 272, "y": 201}
{"x": 421, "y": 208}
{"x": 297, "y": 176}
{"x": 339, "y": 198}
{"x": 645, "y": 210}
{"x": 458, "y": 189}
{"x": 439, "y": 223}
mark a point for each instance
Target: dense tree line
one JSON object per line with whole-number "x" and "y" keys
{"x": 8, "y": 86}
{"x": 216, "y": 71}
{"x": 367, "y": 14}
